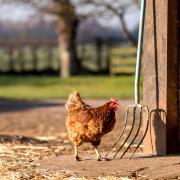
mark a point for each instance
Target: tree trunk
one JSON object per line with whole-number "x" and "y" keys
{"x": 67, "y": 28}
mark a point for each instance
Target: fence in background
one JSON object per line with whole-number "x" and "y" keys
{"x": 94, "y": 57}
{"x": 122, "y": 60}
{"x": 26, "y": 58}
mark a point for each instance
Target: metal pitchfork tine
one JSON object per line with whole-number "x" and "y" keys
{"x": 137, "y": 105}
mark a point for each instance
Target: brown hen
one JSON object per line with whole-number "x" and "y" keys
{"x": 87, "y": 124}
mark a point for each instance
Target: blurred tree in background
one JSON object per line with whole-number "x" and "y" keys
{"x": 109, "y": 8}
{"x": 66, "y": 29}
{"x": 68, "y": 15}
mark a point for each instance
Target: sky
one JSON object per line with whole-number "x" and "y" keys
{"x": 22, "y": 13}
{"x": 12, "y": 13}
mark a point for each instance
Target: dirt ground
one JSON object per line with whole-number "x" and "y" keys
{"x": 141, "y": 167}
{"x": 35, "y": 132}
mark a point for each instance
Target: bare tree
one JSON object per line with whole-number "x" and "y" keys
{"x": 111, "y": 8}
{"x": 68, "y": 16}
{"x": 66, "y": 28}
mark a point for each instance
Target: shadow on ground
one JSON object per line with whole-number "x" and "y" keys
{"x": 18, "y": 139}
{"x": 7, "y": 105}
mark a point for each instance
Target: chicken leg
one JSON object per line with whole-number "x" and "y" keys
{"x": 76, "y": 153}
{"x": 98, "y": 156}
{"x": 95, "y": 145}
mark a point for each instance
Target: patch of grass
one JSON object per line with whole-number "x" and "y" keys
{"x": 36, "y": 88}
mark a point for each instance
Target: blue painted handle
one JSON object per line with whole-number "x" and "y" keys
{"x": 139, "y": 53}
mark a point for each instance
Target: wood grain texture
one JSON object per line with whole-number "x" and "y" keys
{"x": 161, "y": 76}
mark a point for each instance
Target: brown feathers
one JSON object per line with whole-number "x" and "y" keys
{"x": 87, "y": 124}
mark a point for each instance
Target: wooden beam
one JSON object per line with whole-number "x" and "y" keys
{"x": 161, "y": 76}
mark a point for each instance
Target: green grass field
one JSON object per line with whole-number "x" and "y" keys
{"x": 38, "y": 88}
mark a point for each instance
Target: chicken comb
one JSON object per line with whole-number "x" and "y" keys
{"x": 115, "y": 100}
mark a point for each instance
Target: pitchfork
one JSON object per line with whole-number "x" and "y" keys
{"x": 137, "y": 107}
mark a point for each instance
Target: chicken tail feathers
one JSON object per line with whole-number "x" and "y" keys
{"x": 73, "y": 101}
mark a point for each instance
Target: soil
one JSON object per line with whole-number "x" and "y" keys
{"x": 141, "y": 167}
{"x": 37, "y": 129}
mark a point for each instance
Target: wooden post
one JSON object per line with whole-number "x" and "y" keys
{"x": 161, "y": 76}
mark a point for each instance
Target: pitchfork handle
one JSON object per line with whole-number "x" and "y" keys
{"x": 139, "y": 52}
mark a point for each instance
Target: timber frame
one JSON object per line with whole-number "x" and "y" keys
{"x": 161, "y": 69}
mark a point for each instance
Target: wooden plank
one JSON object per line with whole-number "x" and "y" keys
{"x": 172, "y": 78}
{"x": 161, "y": 73}
{"x": 122, "y": 60}
{"x": 179, "y": 63}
